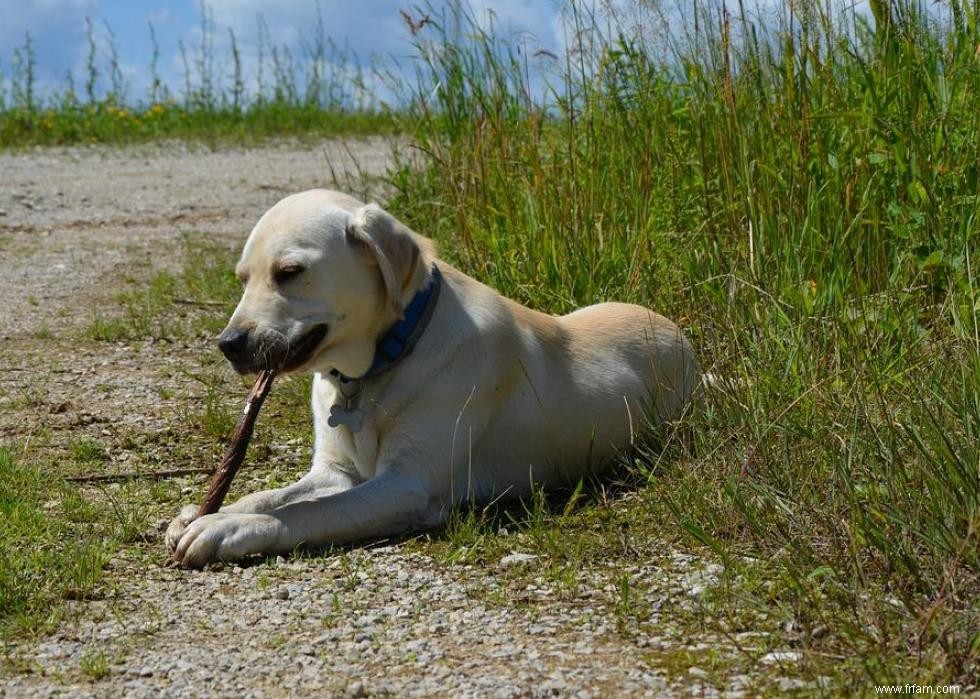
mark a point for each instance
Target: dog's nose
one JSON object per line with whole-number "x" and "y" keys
{"x": 232, "y": 342}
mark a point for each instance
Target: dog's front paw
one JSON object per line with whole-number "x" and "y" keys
{"x": 178, "y": 524}
{"x": 225, "y": 536}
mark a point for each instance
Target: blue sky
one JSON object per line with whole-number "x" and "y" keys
{"x": 368, "y": 27}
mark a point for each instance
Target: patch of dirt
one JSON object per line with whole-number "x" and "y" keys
{"x": 73, "y": 221}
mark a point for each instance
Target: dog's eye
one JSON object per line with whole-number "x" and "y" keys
{"x": 286, "y": 274}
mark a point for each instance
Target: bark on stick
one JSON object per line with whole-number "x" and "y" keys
{"x": 235, "y": 454}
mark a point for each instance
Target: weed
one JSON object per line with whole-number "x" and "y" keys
{"x": 217, "y": 420}
{"x": 95, "y": 665}
{"x": 86, "y": 450}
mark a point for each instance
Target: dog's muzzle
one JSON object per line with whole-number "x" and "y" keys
{"x": 249, "y": 352}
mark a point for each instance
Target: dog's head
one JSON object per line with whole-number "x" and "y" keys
{"x": 323, "y": 276}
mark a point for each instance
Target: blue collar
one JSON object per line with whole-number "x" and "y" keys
{"x": 399, "y": 341}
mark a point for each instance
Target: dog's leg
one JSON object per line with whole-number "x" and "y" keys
{"x": 315, "y": 483}
{"x": 385, "y": 505}
{"x": 319, "y": 482}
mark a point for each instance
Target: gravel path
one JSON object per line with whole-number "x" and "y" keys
{"x": 73, "y": 218}
{"x": 381, "y": 620}
{"x": 372, "y": 621}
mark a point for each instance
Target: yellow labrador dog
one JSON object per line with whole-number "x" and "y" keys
{"x": 430, "y": 389}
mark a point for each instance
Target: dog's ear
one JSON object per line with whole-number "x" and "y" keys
{"x": 388, "y": 243}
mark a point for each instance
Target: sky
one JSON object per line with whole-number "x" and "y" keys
{"x": 367, "y": 27}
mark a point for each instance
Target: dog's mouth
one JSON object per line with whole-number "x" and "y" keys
{"x": 304, "y": 348}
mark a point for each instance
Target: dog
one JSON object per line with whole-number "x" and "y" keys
{"x": 430, "y": 390}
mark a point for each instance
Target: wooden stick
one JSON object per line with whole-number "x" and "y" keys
{"x": 132, "y": 475}
{"x": 235, "y": 454}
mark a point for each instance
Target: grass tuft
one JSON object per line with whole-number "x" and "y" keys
{"x": 95, "y": 665}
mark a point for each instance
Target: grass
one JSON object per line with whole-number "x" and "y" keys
{"x": 106, "y": 122}
{"x": 86, "y": 450}
{"x": 152, "y": 310}
{"x": 802, "y": 197}
{"x": 95, "y": 665}
{"x": 50, "y": 549}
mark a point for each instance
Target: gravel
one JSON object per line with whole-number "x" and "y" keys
{"x": 76, "y": 217}
{"x": 373, "y": 621}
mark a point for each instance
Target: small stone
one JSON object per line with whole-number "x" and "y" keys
{"x": 698, "y": 672}
{"x": 739, "y": 681}
{"x": 781, "y": 656}
{"x": 282, "y": 593}
{"x": 356, "y": 689}
{"x": 896, "y": 603}
{"x": 516, "y": 559}
{"x": 789, "y": 684}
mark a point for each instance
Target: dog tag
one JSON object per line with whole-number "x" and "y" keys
{"x": 352, "y": 419}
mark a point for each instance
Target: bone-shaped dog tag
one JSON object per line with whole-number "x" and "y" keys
{"x": 353, "y": 419}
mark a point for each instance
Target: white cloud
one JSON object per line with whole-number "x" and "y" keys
{"x": 160, "y": 16}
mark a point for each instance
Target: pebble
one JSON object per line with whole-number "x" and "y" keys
{"x": 791, "y": 684}
{"x": 517, "y": 559}
{"x": 781, "y": 656}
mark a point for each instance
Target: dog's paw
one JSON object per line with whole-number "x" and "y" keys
{"x": 225, "y": 536}
{"x": 178, "y": 525}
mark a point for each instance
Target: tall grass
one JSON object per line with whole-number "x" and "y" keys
{"x": 802, "y": 196}
{"x": 317, "y": 89}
